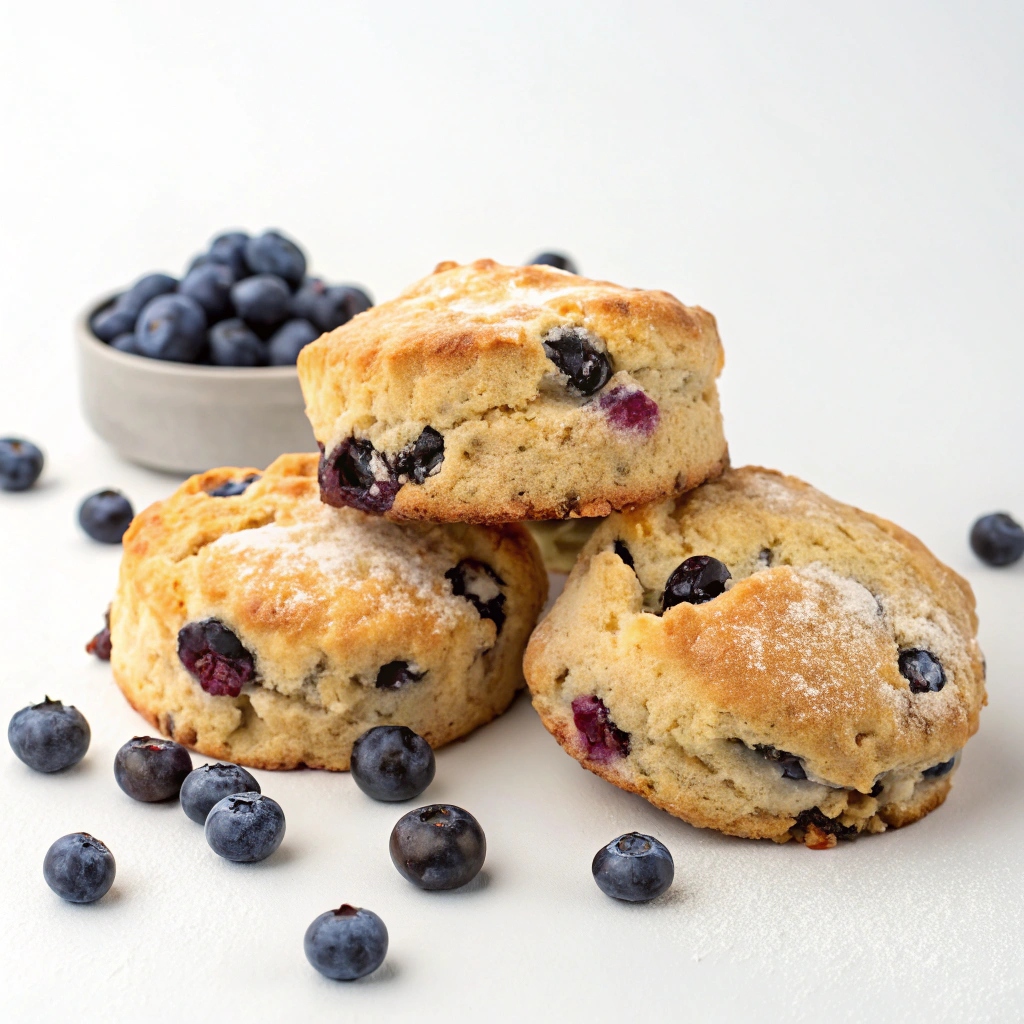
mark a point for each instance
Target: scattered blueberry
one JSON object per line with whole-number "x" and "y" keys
{"x": 21, "y": 462}
{"x": 151, "y": 769}
{"x": 289, "y": 340}
{"x": 172, "y": 328}
{"x": 438, "y": 847}
{"x": 633, "y": 867}
{"x": 49, "y": 736}
{"x": 391, "y": 762}
{"x": 233, "y": 488}
{"x": 209, "y": 784}
{"x": 245, "y": 827}
{"x": 603, "y": 739}
{"x": 210, "y": 286}
{"x": 479, "y": 584}
{"x": 576, "y": 355}
{"x": 922, "y": 670}
{"x": 791, "y": 765}
{"x": 79, "y": 868}
{"x": 356, "y": 475}
{"x": 554, "y": 259}
{"x": 99, "y": 645}
{"x": 396, "y": 674}
{"x": 422, "y": 458}
{"x": 272, "y": 253}
{"x": 698, "y": 579}
{"x": 232, "y": 343}
{"x": 215, "y": 657}
{"x": 624, "y": 553}
{"x": 261, "y": 301}
{"x": 105, "y": 516}
{"x": 338, "y": 304}
{"x": 998, "y": 539}
{"x": 630, "y": 409}
{"x": 126, "y": 343}
{"x": 938, "y": 770}
{"x": 346, "y": 943}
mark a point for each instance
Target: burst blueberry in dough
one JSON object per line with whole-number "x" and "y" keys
{"x": 257, "y": 625}
{"x": 760, "y": 659}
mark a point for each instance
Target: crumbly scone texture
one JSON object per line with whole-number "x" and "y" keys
{"x": 462, "y": 352}
{"x": 322, "y": 598}
{"x": 798, "y": 656}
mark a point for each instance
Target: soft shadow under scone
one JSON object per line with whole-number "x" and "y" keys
{"x": 446, "y": 403}
{"x": 351, "y": 620}
{"x": 713, "y": 711}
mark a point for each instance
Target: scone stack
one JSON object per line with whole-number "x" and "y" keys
{"x": 735, "y": 646}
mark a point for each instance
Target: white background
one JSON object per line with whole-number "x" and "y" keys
{"x": 839, "y": 184}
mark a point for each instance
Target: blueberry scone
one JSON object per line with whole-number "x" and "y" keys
{"x": 487, "y": 393}
{"x": 758, "y": 658}
{"x": 258, "y": 625}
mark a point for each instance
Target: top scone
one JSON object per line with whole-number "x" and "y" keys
{"x": 487, "y": 393}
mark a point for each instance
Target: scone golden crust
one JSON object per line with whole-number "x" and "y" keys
{"x": 271, "y": 630}
{"x": 487, "y": 393}
{"x": 827, "y": 690}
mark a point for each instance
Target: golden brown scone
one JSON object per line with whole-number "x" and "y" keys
{"x": 266, "y": 628}
{"x": 816, "y": 676}
{"x": 492, "y": 394}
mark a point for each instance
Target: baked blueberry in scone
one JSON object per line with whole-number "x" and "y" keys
{"x": 758, "y": 658}
{"x": 257, "y": 625}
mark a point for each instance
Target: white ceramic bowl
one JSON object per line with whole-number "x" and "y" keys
{"x": 183, "y": 418}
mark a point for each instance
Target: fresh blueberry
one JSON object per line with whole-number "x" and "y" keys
{"x": 624, "y": 553}
{"x": 210, "y": 286}
{"x": 99, "y": 645}
{"x": 233, "y": 488}
{"x": 346, "y": 943}
{"x": 232, "y": 343}
{"x": 112, "y": 321}
{"x": 304, "y": 300}
{"x": 209, "y": 784}
{"x": 338, "y": 304}
{"x": 998, "y": 539}
{"x": 422, "y": 458}
{"x": 49, "y": 736}
{"x": 938, "y": 770}
{"x": 172, "y": 328}
{"x": 698, "y": 579}
{"x": 151, "y": 769}
{"x": 272, "y": 253}
{"x": 105, "y": 516}
{"x": 396, "y": 674}
{"x": 245, "y": 827}
{"x": 791, "y": 765}
{"x": 554, "y": 259}
{"x": 21, "y": 462}
{"x": 922, "y": 670}
{"x": 633, "y": 867}
{"x": 214, "y": 656}
{"x": 145, "y": 290}
{"x": 79, "y": 868}
{"x": 601, "y": 737}
{"x": 630, "y": 409}
{"x": 229, "y": 249}
{"x": 390, "y": 762}
{"x": 479, "y": 584}
{"x": 289, "y": 340}
{"x": 126, "y": 343}
{"x": 356, "y": 475}
{"x": 440, "y": 846}
{"x": 573, "y": 351}
{"x": 261, "y": 301}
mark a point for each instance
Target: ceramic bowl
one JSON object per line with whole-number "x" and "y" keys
{"x": 182, "y": 418}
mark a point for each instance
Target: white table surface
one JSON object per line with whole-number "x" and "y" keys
{"x": 842, "y": 188}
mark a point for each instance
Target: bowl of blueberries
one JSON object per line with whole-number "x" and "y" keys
{"x": 185, "y": 374}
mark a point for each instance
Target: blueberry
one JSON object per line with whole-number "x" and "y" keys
{"x": 390, "y": 762}
{"x": 698, "y": 579}
{"x": 245, "y": 827}
{"x": 338, "y": 304}
{"x": 601, "y": 737}
{"x": 554, "y": 259}
{"x": 633, "y": 867}
{"x": 289, "y": 340}
{"x": 792, "y": 766}
{"x": 210, "y": 286}
{"x": 922, "y": 670}
{"x": 422, "y": 458}
{"x": 938, "y": 770}
{"x": 99, "y": 645}
{"x": 145, "y": 290}
{"x": 49, "y": 736}
{"x": 261, "y": 301}
{"x": 21, "y": 462}
{"x": 304, "y": 300}
{"x": 396, "y": 674}
{"x": 151, "y": 769}
{"x": 105, "y": 516}
{"x": 210, "y": 783}
{"x": 232, "y": 343}
{"x": 214, "y": 656}
{"x": 624, "y": 553}
{"x": 126, "y": 343}
{"x": 356, "y": 475}
{"x": 574, "y": 352}
{"x": 346, "y": 943}
{"x": 479, "y": 584}
{"x": 438, "y": 847}
{"x": 112, "y": 321}
{"x": 79, "y": 868}
{"x": 814, "y": 817}
{"x": 998, "y": 539}
{"x": 272, "y": 253}
{"x": 233, "y": 488}
{"x": 172, "y": 328}
{"x": 630, "y": 409}
{"x": 229, "y": 249}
